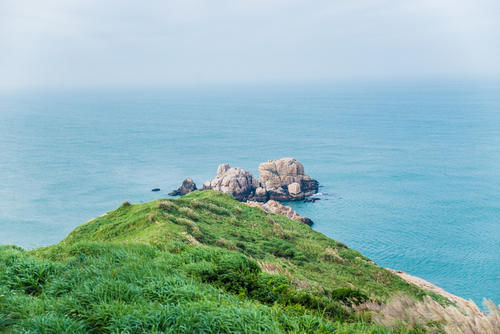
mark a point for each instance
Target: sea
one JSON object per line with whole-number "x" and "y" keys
{"x": 409, "y": 171}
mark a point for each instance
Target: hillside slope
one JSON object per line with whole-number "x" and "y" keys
{"x": 202, "y": 263}
{"x": 279, "y": 244}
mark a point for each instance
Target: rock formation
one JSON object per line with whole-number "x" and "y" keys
{"x": 280, "y": 209}
{"x": 280, "y": 180}
{"x": 284, "y": 180}
{"x": 234, "y": 181}
{"x": 187, "y": 186}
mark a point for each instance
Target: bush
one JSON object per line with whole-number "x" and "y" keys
{"x": 270, "y": 288}
{"x": 233, "y": 272}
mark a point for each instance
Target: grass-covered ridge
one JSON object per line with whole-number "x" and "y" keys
{"x": 202, "y": 263}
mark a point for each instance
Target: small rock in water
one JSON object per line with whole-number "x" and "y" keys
{"x": 155, "y": 189}
{"x": 187, "y": 186}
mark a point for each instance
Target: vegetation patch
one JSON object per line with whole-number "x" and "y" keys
{"x": 202, "y": 263}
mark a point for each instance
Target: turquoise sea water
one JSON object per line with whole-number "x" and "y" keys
{"x": 409, "y": 172}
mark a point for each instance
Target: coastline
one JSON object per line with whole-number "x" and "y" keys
{"x": 426, "y": 285}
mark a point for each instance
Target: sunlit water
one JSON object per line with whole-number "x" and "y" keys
{"x": 410, "y": 173}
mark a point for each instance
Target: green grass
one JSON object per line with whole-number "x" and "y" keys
{"x": 202, "y": 263}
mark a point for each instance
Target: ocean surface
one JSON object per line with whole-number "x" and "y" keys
{"x": 410, "y": 173}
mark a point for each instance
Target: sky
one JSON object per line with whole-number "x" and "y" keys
{"x": 66, "y": 43}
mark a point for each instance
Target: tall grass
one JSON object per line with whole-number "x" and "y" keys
{"x": 463, "y": 318}
{"x": 90, "y": 287}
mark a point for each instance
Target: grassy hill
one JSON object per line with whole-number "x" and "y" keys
{"x": 202, "y": 263}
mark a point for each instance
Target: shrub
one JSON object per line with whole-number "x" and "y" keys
{"x": 235, "y": 273}
{"x": 270, "y": 288}
{"x": 126, "y": 204}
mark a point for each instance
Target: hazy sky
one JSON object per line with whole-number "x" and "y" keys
{"x": 111, "y": 42}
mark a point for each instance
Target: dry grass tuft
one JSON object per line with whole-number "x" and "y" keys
{"x": 167, "y": 205}
{"x": 301, "y": 284}
{"x": 464, "y": 318}
{"x": 238, "y": 211}
{"x": 224, "y": 243}
{"x": 190, "y": 225}
{"x": 188, "y": 212}
{"x": 277, "y": 269}
{"x": 332, "y": 255}
{"x": 273, "y": 268}
{"x": 278, "y": 230}
{"x": 270, "y": 219}
{"x": 169, "y": 217}
{"x": 191, "y": 239}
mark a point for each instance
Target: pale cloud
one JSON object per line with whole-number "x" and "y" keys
{"x": 76, "y": 42}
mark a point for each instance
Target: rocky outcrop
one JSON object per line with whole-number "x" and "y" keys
{"x": 234, "y": 181}
{"x": 285, "y": 180}
{"x": 187, "y": 186}
{"x": 280, "y": 180}
{"x": 272, "y": 206}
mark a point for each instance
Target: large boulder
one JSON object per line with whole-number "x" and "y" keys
{"x": 280, "y": 209}
{"x": 234, "y": 181}
{"x": 187, "y": 186}
{"x": 285, "y": 180}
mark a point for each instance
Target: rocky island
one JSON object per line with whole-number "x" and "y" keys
{"x": 280, "y": 180}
